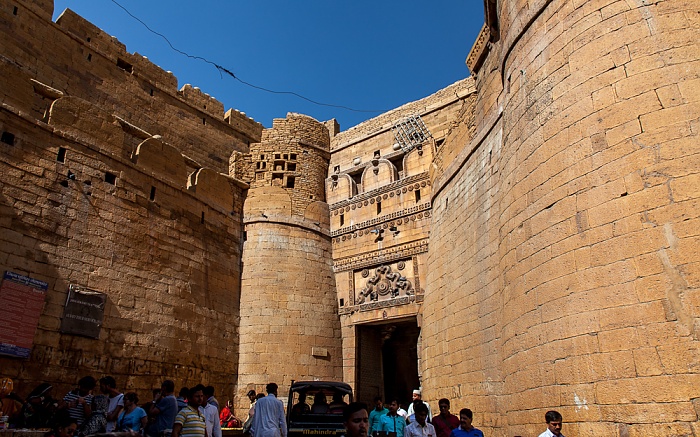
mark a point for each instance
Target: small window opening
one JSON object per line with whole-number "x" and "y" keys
{"x": 204, "y": 121}
{"x": 61, "y": 155}
{"x": 151, "y": 91}
{"x": 14, "y": 10}
{"x": 342, "y": 219}
{"x": 8, "y": 138}
{"x": 377, "y": 154}
{"x": 342, "y": 302}
{"x": 245, "y": 235}
{"x": 264, "y": 165}
{"x": 290, "y": 181}
{"x": 285, "y": 156}
{"x": 125, "y": 65}
{"x": 89, "y": 58}
{"x": 110, "y": 178}
{"x": 87, "y": 182}
{"x": 357, "y": 177}
{"x": 262, "y": 157}
{"x": 277, "y": 179}
{"x": 379, "y": 207}
{"x": 63, "y": 184}
{"x": 277, "y": 156}
{"x": 88, "y": 39}
{"x": 205, "y": 106}
{"x": 447, "y": 202}
{"x": 257, "y": 165}
{"x": 439, "y": 143}
{"x": 291, "y": 166}
{"x": 398, "y": 163}
{"x": 293, "y": 156}
{"x": 153, "y": 194}
{"x": 336, "y": 169}
{"x": 202, "y": 220}
{"x": 417, "y": 193}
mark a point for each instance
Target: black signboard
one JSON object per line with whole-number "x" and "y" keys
{"x": 84, "y": 312}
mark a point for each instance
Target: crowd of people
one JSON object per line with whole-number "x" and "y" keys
{"x": 81, "y": 412}
{"x": 195, "y": 412}
{"x": 390, "y": 420}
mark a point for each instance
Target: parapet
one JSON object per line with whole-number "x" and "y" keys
{"x": 298, "y": 128}
{"x": 244, "y": 124}
{"x": 202, "y": 101}
{"x": 142, "y": 68}
{"x": 382, "y": 123}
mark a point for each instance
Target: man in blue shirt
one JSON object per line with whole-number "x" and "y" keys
{"x": 465, "y": 425}
{"x": 164, "y": 410}
{"x": 376, "y": 414}
{"x": 392, "y": 422}
{"x": 268, "y": 420}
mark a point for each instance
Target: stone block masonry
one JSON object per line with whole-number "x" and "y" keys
{"x": 104, "y": 186}
{"x": 539, "y": 250}
{"x": 578, "y": 292}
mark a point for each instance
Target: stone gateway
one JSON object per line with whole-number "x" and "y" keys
{"x": 523, "y": 240}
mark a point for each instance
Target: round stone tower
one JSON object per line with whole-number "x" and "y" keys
{"x": 289, "y": 326}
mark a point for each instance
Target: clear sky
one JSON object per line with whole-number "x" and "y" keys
{"x": 363, "y": 54}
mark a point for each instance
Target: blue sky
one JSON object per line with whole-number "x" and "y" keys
{"x": 368, "y": 55}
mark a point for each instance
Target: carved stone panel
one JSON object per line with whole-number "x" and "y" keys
{"x": 385, "y": 282}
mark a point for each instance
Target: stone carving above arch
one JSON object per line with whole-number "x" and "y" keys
{"x": 385, "y": 284}
{"x": 418, "y": 160}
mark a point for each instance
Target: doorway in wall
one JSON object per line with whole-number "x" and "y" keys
{"x": 387, "y": 360}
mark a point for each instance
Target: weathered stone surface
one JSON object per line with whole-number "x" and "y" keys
{"x": 541, "y": 246}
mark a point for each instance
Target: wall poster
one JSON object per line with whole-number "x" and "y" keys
{"x": 21, "y": 302}
{"x": 84, "y": 312}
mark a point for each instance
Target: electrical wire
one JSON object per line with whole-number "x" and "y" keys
{"x": 228, "y": 72}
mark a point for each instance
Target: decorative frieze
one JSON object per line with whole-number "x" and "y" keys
{"x": 405, "y": 215}
{"x": 383, "y": 256}
{"x": 410, "y": 183}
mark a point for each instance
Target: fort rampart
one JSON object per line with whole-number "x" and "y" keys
{"x": 101, "y": 190}
{"x": 571, "y": 218}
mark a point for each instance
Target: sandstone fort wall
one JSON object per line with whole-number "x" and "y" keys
{"x": 79, "y": 59}
{"x": 104, "y": 187}
{"x": 564, "y": 238}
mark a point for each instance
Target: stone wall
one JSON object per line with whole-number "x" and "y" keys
{"x": 85, "y": 62}
{"x": 380, "y": 207}
{"x": 105, "y": 187}
{"x": 562, "y": 272}
{"x": 164, "y": 252}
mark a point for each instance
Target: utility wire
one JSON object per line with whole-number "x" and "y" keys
{"x": 225, "y": 70}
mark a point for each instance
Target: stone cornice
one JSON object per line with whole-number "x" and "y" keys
{"x": 479, "y": 51}
{"x": 377, "y": 257}
{"x": 423, "y": 208}
{"x": 404, "y": 300}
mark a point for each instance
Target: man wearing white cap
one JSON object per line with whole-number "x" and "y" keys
{"x": 417, "y": 397}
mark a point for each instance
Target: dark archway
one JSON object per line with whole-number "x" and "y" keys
{"x": 387, "y": 360}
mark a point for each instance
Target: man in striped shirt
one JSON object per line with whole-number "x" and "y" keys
{"x": 78, "y": 402}
{"x": 189, "y": 422}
